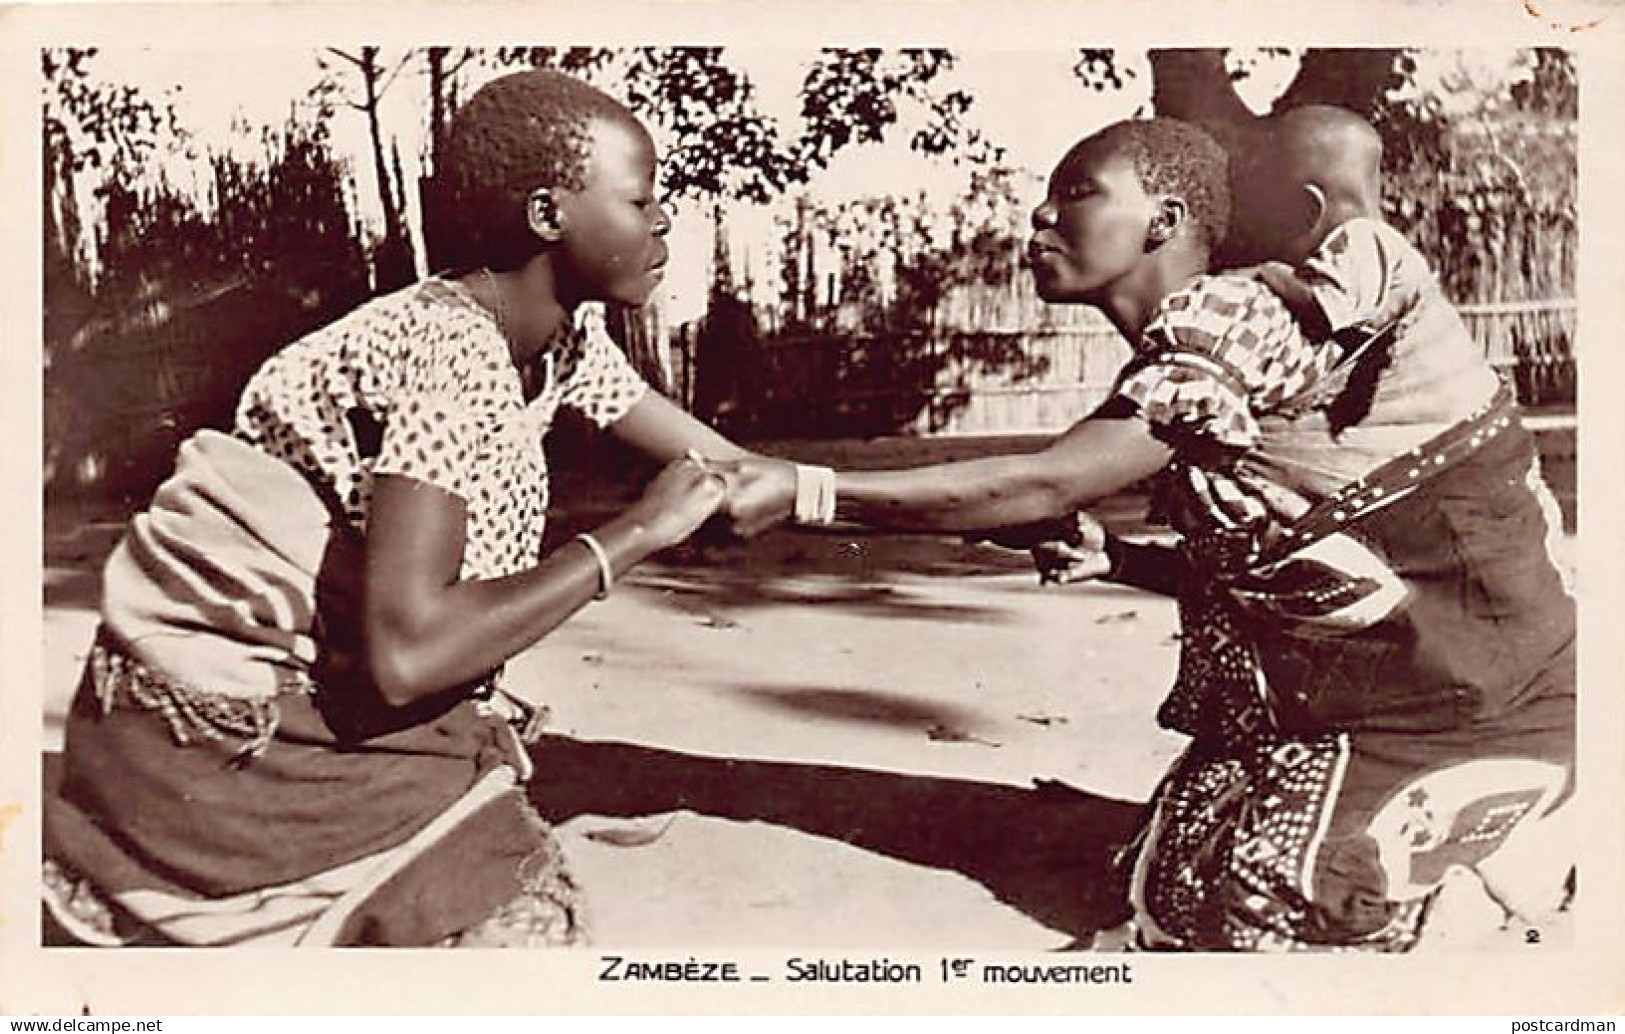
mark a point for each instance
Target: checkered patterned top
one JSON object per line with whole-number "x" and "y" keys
{"x": 1217, "y": 355}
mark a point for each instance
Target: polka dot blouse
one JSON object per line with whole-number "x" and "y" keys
{"x": 419, "y": 384}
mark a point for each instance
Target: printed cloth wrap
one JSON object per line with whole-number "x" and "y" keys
{"x": 1377, "y": 655}
{"x": 215, "y": 584}
{"x": 1409, "y": 598}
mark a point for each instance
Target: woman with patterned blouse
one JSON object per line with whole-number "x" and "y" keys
{"x": 290, "y": 729}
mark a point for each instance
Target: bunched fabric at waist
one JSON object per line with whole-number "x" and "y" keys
{"x": 234, "y": 573}
{"x": 191, "y": 714}
{"x": 1481, "y": 620}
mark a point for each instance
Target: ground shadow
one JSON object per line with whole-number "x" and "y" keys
{"x": 1043, "y": 851}
{"x": 715, "y": 587}
{"x": 875, "y": 707}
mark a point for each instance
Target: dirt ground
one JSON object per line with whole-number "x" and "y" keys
{"x": 822, "y": 740}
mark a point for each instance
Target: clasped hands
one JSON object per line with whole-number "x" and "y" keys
{"x": 743, "y": 497}
{"x": 754, "y": 493}
{"x": 759, "y": 492}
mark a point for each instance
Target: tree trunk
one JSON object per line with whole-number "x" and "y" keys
{"x": 406, "y": 252}
{"x": 438, "y": 114}
{"x": 1352, "y": 78}
{"x": 429, "y": 185}
{"x": 1193, "y": 85}
{"x": 393, "y": 266}
{"x": 369, "y": 81}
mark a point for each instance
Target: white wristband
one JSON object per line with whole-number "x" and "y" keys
{"x": 606, "y": 575}
{"x": 815, "y": 494}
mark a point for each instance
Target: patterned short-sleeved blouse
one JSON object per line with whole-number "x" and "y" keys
{"x": 1217, "y": 355}
{"x": 419, "y": 383}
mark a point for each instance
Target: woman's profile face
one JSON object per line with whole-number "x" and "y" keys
{"x": 1090, "y": 231}
{"x": 611, "y": 246}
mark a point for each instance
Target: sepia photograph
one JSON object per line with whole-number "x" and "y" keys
{"x": 737, "y": 517}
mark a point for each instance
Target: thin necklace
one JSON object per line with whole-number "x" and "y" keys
{"x": 500, "y": 311}
{"x": 498, "y": 305}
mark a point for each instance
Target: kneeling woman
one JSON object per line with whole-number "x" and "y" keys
{"x": 1376, "y": 661}
{"x": 290, "y": 729}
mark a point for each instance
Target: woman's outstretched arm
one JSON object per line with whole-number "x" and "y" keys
{"x": 1096, "y": 458}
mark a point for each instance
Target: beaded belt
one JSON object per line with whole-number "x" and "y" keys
{"x": 192, "y": 714}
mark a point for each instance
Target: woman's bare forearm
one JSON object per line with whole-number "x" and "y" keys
{"x": 1093, "y": 460}
{"x": 425, "y": 642}
{"x": 428, "y": 630}
{"x": 971, "y": 495}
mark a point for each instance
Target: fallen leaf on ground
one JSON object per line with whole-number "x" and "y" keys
{"x": 1126, "y": 615}
{"x": 718, "y": 621}
{"x": 1043, "y": 719}
{"x": 634, "y": 836}
{"x": 944, "y": 734}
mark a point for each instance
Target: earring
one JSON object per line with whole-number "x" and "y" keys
{"x": 542, "y": 213}
{"x": 1166, "y": 222}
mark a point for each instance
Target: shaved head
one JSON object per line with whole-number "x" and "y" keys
{"x": 1298, "y": 175}
{"x": 1333, "y": 149}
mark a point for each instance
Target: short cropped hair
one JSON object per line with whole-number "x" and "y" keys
{"x": 1171, "y": 157}
{"x": 519, "y": 133}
